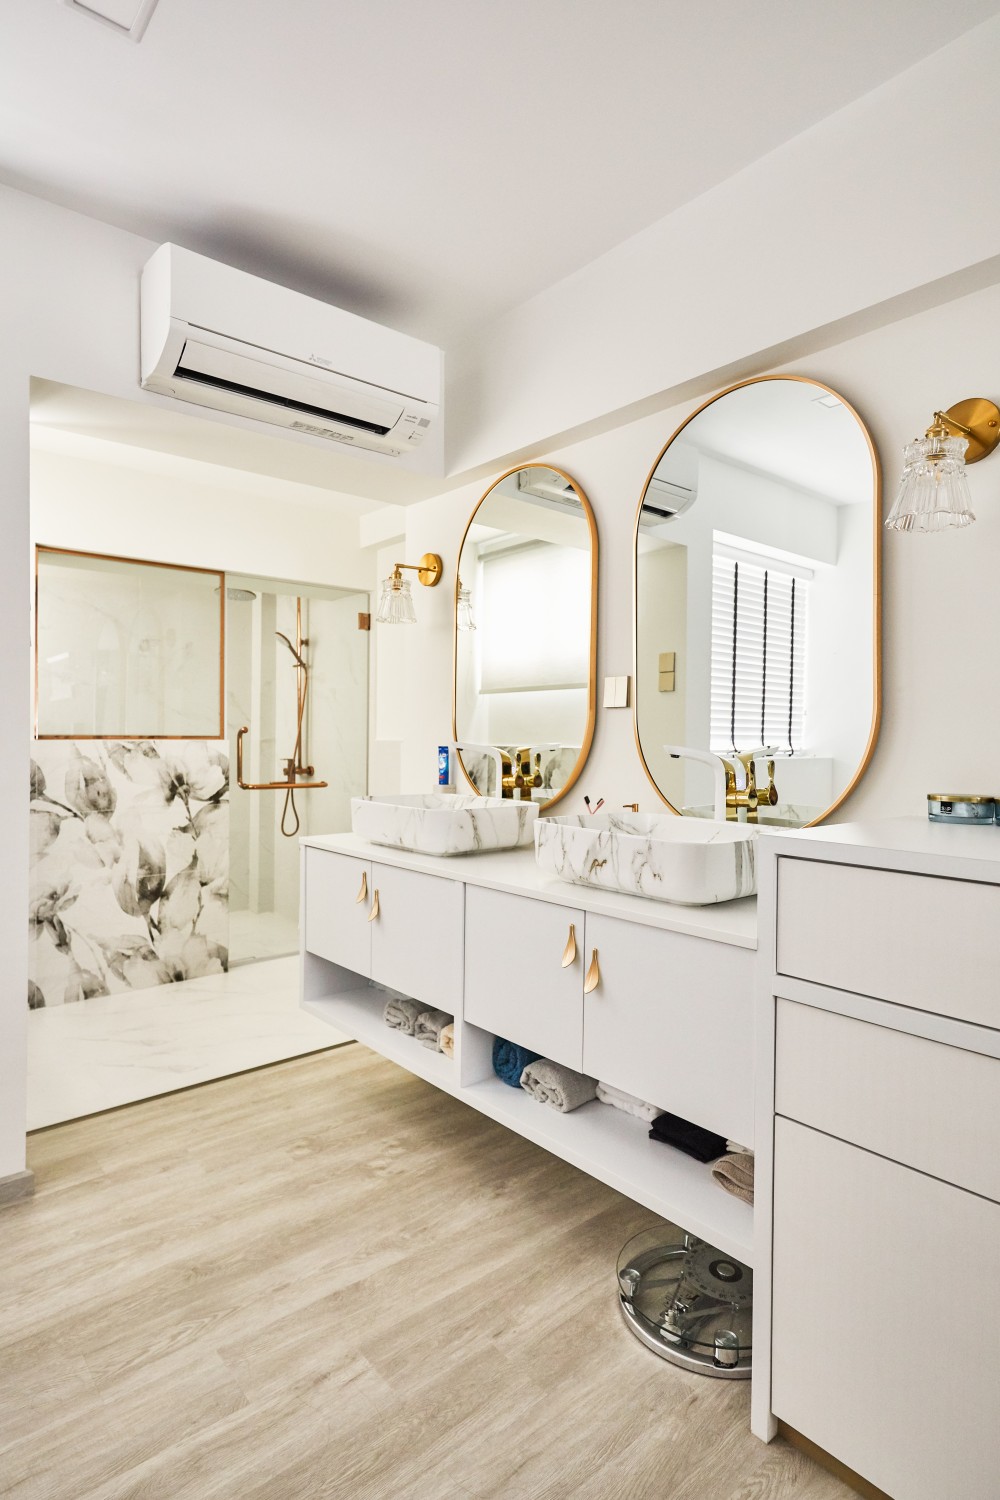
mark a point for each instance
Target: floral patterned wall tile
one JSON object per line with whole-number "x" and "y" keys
{"x": 129, "y": 878}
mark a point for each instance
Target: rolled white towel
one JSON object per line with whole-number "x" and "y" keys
{"x": 448, "y": 1040}
{"x": 608, "y": 1094}
{"x": 735, "y": 1149}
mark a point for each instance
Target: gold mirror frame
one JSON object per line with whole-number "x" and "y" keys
{"x": 588, "y": 736}
{"x": 876, "y": 582}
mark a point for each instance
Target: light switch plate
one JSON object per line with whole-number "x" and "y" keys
{"x": 668, "y": 661}
{"x": 616, "y": 692}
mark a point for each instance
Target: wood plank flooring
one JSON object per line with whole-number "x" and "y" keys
{"x": 329, "y": 1281}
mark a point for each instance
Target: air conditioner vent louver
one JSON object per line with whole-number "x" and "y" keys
{"x": 182, "y": 373}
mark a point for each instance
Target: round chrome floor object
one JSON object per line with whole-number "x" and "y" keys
{"x": 688, "y": 1302}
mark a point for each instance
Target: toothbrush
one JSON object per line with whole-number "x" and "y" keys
{"x": 597, "y": 807}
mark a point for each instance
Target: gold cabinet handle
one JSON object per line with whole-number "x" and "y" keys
{"x": 569, "y": 952}
{"x": 593, "y": 978}
{"x": 363, "y": 893}
{"x": 374, "y": 911}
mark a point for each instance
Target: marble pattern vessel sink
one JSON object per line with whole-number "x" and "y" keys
{"x": 667, "y": 858}
{"x": 444, "y": 823}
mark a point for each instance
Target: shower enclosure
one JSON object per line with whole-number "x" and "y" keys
{"x": 297, "y": 723}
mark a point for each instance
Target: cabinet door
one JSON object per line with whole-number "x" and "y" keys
{"x": 886, "y": 1291}
{"x": 671, "y": 1021}
{"x": 417, "y": 938}
{"x": 515, "y": 984}
{"x": 336, "y": 921}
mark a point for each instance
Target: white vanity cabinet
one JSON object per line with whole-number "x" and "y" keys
{"x": 656, "y": 1013}
{"x": 878, "y": 1285}
{"x": 669, "y": 1022}
{"x": 396, "y": 927}
{"x": 666, "y": 1015}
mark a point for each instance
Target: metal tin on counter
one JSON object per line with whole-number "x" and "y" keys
{"x": 961, "y": 807}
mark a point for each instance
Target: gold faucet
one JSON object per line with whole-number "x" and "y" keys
{"x": 519, "y": 774}
{"x": 749, "y": 796}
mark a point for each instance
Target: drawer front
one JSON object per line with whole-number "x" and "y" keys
{"x": 886, "y": 1302}
{"x": 515, "y": 985}
{"x": 672, "y": 1022}
{"x": 913, "y": 939}
{"x": 417, "y": 938}
{"x": 336, "y": 923}
{"x": 919, "y": 1102}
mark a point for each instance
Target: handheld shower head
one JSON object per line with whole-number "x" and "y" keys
{"x": 298, "y": 659}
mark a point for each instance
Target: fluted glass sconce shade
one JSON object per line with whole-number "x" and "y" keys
{"x": 933, "y": 490}
{"x": 464, "y": 618}
{"x": 396, "y": 604}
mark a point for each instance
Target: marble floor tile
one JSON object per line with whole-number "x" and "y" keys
{"x": 117, "y": 1049}
{"x": 254, "y": 935}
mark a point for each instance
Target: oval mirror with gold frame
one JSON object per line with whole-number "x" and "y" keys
{"x": 525, "y": 683}
{"x": 757, "y": 605}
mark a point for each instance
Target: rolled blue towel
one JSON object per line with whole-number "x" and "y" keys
{"x": 510, "y": 1061}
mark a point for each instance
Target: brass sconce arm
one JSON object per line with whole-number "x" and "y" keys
{"x": 976, "y": 419}
{"x": 291, "y": 785}
{"x": 428, "y": 570}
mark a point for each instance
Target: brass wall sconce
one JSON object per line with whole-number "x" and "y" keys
{"x": 396, "y": 604}
{"x": 933, "y": 489}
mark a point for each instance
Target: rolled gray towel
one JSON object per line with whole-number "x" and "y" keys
{"x": 401, "y": 1014}
{"x": 552, "y": 1083}
{"x": 608, "y": 1094}
{"x": 430, "y": 1024}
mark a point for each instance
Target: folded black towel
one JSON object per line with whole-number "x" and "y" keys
{"x": 703, "y": 1145}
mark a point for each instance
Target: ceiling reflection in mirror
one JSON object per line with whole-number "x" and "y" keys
{"x": 757, "y": 635}
{"x": 525, "y": 636}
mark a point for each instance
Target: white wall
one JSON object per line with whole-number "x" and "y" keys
{"x": 185, "y": 511}
{"x": 941, "y": 722}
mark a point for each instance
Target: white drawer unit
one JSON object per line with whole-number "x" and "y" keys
{"x": 928, "y": 1106}
{"x": 670, "y": 1022}
{"x": 663, "y": 1010}
{"x": 915, "y": 940}
{"x": 886, "y": 1315}
{"x": 878, "y": 1094}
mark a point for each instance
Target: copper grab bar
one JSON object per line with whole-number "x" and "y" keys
{"x": 267, "y": 786}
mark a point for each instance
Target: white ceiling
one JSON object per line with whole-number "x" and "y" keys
{"x": 430, "y": 165}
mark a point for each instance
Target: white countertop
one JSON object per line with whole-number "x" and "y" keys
{"x": 912, "y": 844}
{"x": 515, "y": 872}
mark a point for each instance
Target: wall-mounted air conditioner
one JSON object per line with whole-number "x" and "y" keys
{"x": 220, "y": 338}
